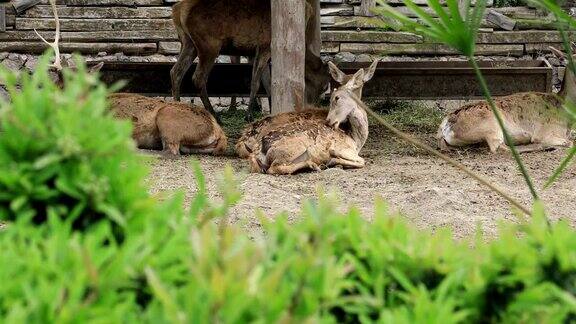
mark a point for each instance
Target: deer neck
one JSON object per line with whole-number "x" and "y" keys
{"x": 358, "y": 127}
{"x": 568, "y": 90}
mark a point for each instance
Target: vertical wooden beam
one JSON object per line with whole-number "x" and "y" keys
{"x": 288, "y": 54}
{"x": 365, "y": 7}
{"x": 315, "y": 43}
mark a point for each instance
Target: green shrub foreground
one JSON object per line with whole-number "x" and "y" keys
{"x": 85, "y": 242}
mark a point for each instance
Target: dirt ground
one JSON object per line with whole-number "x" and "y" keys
{"x": 423, "y": 188}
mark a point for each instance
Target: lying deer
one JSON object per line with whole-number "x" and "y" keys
{"x": 316, "y": 143}
{"x": 251, "y": 138}
{"x": 173, "y": 127}
{"x": 534, "y": 120}
{"x": 208, "y": 28}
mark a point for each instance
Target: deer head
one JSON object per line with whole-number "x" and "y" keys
{"x": 345, "y": 107}
{"x": 343, "y": 78}
{"x": 568, "y": 88}
{"x": 341, "y": 104}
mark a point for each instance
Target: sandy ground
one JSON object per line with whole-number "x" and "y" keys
{"x": 426, "y": 190}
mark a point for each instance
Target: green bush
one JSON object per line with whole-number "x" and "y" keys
{"x": 61, "y": 153}
{"x": 193, "y": 267}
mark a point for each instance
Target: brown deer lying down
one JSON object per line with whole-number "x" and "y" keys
{"x": 535, "y": 121}
{"x": 208, "y": 28}
{"x": 251, "y": 138}
{"x": 308, "y": 141}
{"x": 170, "y": 126}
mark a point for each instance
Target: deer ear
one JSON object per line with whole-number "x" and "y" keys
{"x": 336, "y": 73}
{"x": 357, "y": 80}
{"x": 96, "y": 68}
{"x": 370, "y": 71}
{"x": 558, "y": 53}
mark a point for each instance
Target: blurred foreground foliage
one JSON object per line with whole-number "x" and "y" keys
{"x": 85, "y": 242}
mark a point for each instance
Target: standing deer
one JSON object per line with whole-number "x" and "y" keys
{"x": 534, "y": 120}
{"x": 208, "y": 28}
{"x": 251, "y": 138}
{"x": 315, "y": 143}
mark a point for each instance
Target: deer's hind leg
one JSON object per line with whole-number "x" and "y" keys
{"x": 187, "y": 56}
{"x": 260, "y": 63}
{"x": 171, "y": 149}
{"x": 303, "y": 161}
{"x": 206, "y": 60}
{"x": 293, "y": 168}
{"x": 495, "y": 141}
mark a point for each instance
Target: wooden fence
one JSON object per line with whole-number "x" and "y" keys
{"x": 144, "y": 27}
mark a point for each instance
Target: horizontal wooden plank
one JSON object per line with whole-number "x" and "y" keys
{"x": 542, "y": 48}
{"x": 337, "y": 11}
{"x": 489, "y": 3}
{"x": 522, "y": 37}
{"x": 429, "y": 49}
{"x": 84, "y": 48}
{"x": 169, "y": 48}
{"x": 330, "y": 47}
{"x": 93, "y": 37}
{"x": 127, "y": 3}
{"x": 94, "y": 24}
{"x": 368, "y": 36}
{"x": 42, "y": 11}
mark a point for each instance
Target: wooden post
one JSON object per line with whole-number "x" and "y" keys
{"x": 315, "y": 44}
{"x": 365, "y": 7}
{"x": 288, "y": 54}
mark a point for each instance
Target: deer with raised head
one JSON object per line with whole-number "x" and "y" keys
{"x": 535, "y": 121}
{"x": 208, "y": 28}
{"x": 251, "y": 138}
{"x": 316, "y": 143}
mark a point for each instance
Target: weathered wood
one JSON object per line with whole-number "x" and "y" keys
{"x": 368, "y": 36}
{"x": 114, "y": 2}
{"x": 95, "y": 24}
{"x": 84, "y": 48}
{"x": 2, "y": 19}
{"x": 42, "y": 11}
{"x": 22, "y": 5}
{"x": 92, "y": 37}
{"x": 430, "y": 49}
{"x": 288, "y": 54}
{"x": 169, "y": 48}
{"x": 500, "y": 20}
{"x": 522, "y": 37}
{"x": 366, "y": 7}
{"x": 337, "y": 11}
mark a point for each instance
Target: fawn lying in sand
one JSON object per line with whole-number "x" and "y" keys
{"x": 312, "y": 139}
{"x": 251, "y": 138}
{"x": 173, "y": 127}
{"x": 535, "y": 121}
